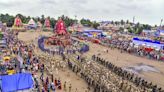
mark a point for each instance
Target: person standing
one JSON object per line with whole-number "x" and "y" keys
{"x": 70, "y": 87}
{"x": 65, "y": 86}
{"x": 76, "y": 90}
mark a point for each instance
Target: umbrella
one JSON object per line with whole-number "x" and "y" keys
{"x": 6, "y": 58}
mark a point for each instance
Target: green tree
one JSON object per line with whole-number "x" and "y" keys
{"x": 86, "y": 22}
{"x": 52, "y": 22}
{"x": 8, "y": 19}
{"x": 130, "y": 30}
{"x": 116, "y": 22}
{"x": 42, "y": 19}
{"x": 95, "y": 25}
{"x": 121, "y": 29}
{"x": 112, "y": 22}
{"x": 122, "y": 22}
{"x": 155, "y": 26}
{"x": 146, "y": 26}
{"x": 127, "y": 22}
{"x": 23, "y": 18}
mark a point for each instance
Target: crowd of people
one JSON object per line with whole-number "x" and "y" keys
{"x": 70, "y": 49}
{"x": 104, "y": 76}
{"x": 23, "y": 59}
{"x": 100, "y": 75}
{"x": 126, "y": 45}
{"x": 129, "y": 47}
{"x": 138, "y": 81}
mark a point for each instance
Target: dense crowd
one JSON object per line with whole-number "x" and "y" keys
{"x": 138, "y": 81}
{"x": 100, "y": 75}
{"x": 24, "y": 60}
{"x": 126, "y": 45}
{"x": 129, "y": 47}
{"x": 70, "y": 49}
{"x": 104, "y": 76}
{"x": 110, "y": 79}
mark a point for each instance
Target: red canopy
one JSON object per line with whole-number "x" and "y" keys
{"x": 148, "y": 49}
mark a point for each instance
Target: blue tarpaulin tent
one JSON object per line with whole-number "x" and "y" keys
{"x": 15, "y": 82}
{"x": 90, "y": 33}
{"x": 156, "y": 44}
{"x": 86, "y": 31}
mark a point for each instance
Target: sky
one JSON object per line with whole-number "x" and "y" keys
{"x": 145, "y": 11}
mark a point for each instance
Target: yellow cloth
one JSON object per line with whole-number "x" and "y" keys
{"x": 6, "y": 58}
{"x": 10, "y": 72}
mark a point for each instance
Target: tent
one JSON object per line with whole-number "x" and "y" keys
{"x": 104, "y": 33}
{"x": 109, "y": 37}
{"x": 148, "y": 43}
{"x": 92, "y": 33}
{"x": 32, "y": 24}
{"x": 162, "y": 33}
{"x": 3, "y": 42}
{"x": 87, "y": 31}
{"x": 16, "y": 82}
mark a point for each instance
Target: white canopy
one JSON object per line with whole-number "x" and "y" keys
{"x": 31, "y": 22}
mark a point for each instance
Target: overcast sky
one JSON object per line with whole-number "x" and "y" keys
{"x": 145, "y": 11}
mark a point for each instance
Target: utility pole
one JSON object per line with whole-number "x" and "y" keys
{"x": 161, "y": 23}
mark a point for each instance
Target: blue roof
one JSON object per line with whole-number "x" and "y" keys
{"x": 162, "y": 31}
{"x": 93, "y": 30}
{"x": 149, "y": 41}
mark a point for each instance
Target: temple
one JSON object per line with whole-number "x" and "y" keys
{"x": 18, "y": 22}
{"x": 61, "y": 36}
{"x": 18, "y": 25}
{"x": 60, "y": 27}
{"x": 47, "y": 23}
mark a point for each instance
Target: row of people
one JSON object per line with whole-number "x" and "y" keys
{"x": 138, "y": 81}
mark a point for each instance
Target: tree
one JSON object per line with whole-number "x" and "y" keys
{"x": 146, "y": 26}
{"x": 23, "y": 18}
{"x": 127, "y": 22}
{"x": 95, "y": 25}
{"x": 52, "y": 22}
{"x": 86, "y": 22}
{"x": 28, "y": 19}
{"x": 42, "y": 19}
{"x": 116, "y": 23}
{"x": 112, "y": 22}
{"x": 139, "y": 31}
{"x": 122, "y": 22}
{"x": 155, "y": 26}
{"x": 130, "y": 30}
{"x": 9, "y": 19}
{"x": 121, "y": 29}
{"x": 138, "y": 24}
